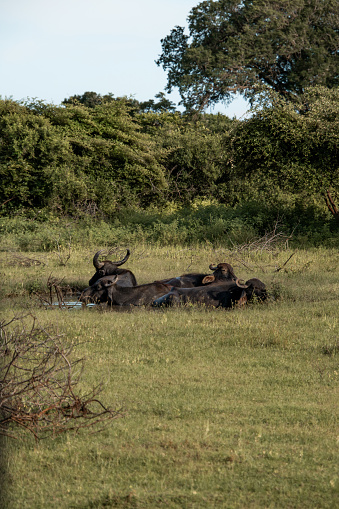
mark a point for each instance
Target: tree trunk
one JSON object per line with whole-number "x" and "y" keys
{"x": 331, "y": 206}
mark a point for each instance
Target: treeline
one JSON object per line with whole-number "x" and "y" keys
{"x": 108, "y": 154}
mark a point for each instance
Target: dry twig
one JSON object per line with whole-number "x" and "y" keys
{"x": 283, "y": 265}
{"x": 56, "y": 293}
{"x": 37, "y": 383}
{"x": 269, "y": 242}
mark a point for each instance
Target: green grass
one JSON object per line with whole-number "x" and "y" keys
{"x": 235, "y": 409}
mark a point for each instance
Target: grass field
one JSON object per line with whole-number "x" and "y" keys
{"x": 234, "y": 409}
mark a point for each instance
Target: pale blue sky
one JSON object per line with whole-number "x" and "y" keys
{"x": 52, "y": 49}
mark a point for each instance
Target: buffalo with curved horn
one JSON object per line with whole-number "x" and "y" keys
{"x": 224, "y": 294}
{"x": 111, "y": 289}
{"x": 222, "y": 273}
{"x": 109, "y": 268}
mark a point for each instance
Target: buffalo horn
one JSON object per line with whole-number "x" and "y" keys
{"x": 98, "y": 265}
{"x": 108, "y": 285}
{"x": 124, "y": 259}
{"x": 240, "y": 285}
{"x": 212, "y": 268}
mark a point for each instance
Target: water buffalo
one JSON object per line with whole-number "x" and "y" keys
{"x": 223, "y": 272}
{"x": 109, "y": 268}
{"x": 109, "y": 289}
{"x": 222, "y": 294}
{"x": 97, "y": 292}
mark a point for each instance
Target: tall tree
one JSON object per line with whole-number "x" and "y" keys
{"x": 236, "y": 46}
{"x": 88, "y": 99}
{"x": 163, "y": 104}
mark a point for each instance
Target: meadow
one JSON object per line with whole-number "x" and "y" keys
{"x": 234, "y": 409}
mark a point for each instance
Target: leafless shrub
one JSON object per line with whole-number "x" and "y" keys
{"x": 268, "y": 242}
{"x": 89, "y": 208}
{"x": 38, "y": 380}
{"x": 252, "y": 267}
{"x": 55, "y": 293}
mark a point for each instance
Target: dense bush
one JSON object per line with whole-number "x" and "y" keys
{"x": 99, "y": 161}
{"x": 288, "y": 147}
{"x": 66, "y": 157}
{"x": 199, "y": 223}
{"x": 194, "y": 152}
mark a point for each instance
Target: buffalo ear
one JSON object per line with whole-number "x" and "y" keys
{"x": 108, "y": 284}
{"x": 208, "y": 279}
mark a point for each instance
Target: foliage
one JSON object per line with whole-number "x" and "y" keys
{"x": 163, "y": 104}
{"x": 194, "y": 152}
{"x": 88, "y": 99}
{"x": 62, "y": 157}
{"x": 93, "y": 99}
{"x": 97, "y": 161}
{"x": 31, "y": 151}
{"x": 120, "y": 161}
{"x": 202, "y": 222}
{"x": 237, "y": 46}
{"x": 291, "y": 147}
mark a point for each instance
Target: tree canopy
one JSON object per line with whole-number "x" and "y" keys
{"x": 93, "y": 99}
{"x": 237, "y": 46}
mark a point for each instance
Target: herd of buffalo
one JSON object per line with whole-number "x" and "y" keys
{"x": 118, "y": 287}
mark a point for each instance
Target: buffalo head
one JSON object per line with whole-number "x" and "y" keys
{"x": 253, "y": 288}
{"x": 109, "y": 268}
{"x": 97, "y": 292}
{"x": 223, "y": 272}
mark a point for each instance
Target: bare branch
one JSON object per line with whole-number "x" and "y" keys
{"x": 56, "y": 293}
{"x": 331, "y": 205}
{"x": 6, "y": 201}
{"x": 283, "y": 265}
{"x": 37, "y": 383}
{"x": 268, "y": 242}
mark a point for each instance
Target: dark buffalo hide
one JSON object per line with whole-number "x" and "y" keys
{"x": 109, "y": 268}
{"x": 109, "y": 289}
{"x": 97, "y": 292}
{"x": 142, "y": 295}
{"x": 223, "y": 272}
{"x": 223, "y": 294}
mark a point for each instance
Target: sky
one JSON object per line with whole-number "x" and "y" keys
{"x": 53, "y": 49}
